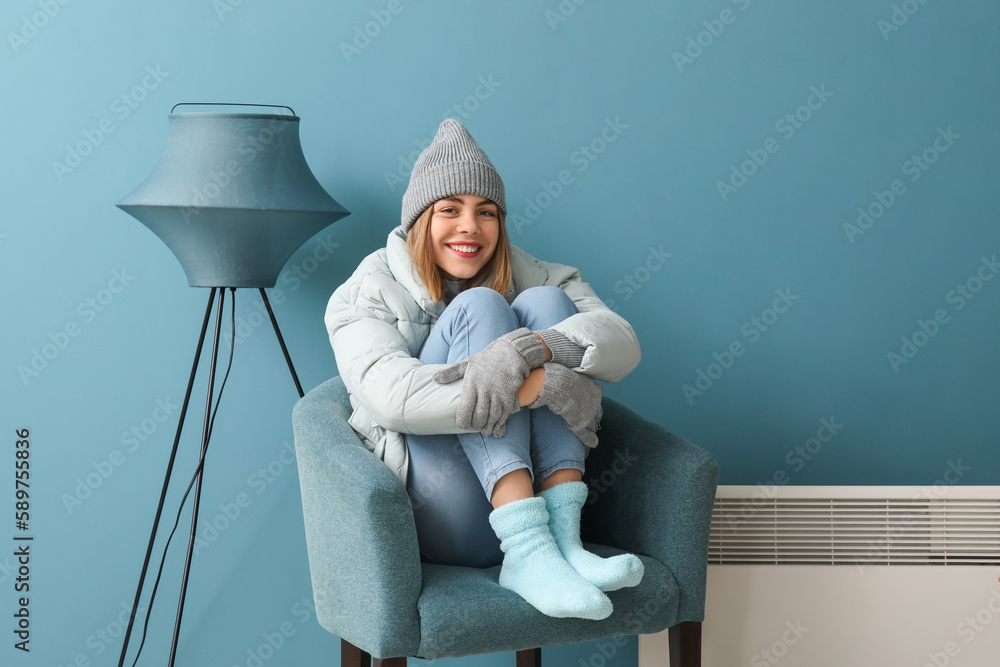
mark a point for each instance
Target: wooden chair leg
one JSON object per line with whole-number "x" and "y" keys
{"x": 389, "y": 662}
{"x": 530, "y": 657}
{"x": 685, "y": 644}
{"x": 352, "y": 656}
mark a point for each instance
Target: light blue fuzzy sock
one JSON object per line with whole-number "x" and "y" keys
{"x": 564, "y": 503}
{"x": 534, "y": 568}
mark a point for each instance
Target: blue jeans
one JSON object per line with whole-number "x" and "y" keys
{"x": 448, "y": 472}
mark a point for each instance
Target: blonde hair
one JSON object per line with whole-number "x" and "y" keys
{"x": 425, "y": 269}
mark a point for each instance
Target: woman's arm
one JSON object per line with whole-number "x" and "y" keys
{"x": 531, "y": 387}
{"x": 611, "y": 346}
{"x": 375, "y": 363}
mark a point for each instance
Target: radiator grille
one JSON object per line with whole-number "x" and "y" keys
{"x": 855, "y": 531}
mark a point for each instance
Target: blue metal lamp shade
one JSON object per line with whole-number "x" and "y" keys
{"x": 233, "y": 197}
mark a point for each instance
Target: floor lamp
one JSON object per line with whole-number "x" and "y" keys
{"x": 233, "y": 198}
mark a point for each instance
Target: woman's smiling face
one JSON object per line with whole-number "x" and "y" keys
{"x": 465, "y": 230}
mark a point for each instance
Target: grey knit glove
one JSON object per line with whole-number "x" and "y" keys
{"x": 574, "y": 397}
{"x": 564, "y": 351}
{"x": 492, "y": 378}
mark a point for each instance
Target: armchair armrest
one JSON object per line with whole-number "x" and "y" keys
{"x": 652, "y": 493}
{"x": 360, "y": 535}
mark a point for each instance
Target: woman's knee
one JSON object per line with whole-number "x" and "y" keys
{"x": 543, "y": 306}
{"x": 473, "y": 320}
{"x": 482, "y": 297}
{"x": 485, "y": 302}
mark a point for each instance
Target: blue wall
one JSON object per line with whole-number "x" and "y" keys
{"x": 793, "y": 204}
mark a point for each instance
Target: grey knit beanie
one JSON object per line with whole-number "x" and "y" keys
{"x": 452, "y": 165}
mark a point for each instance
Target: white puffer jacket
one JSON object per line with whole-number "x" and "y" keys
{"x": 379, "y": 319}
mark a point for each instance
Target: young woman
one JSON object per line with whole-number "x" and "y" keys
{"x": 471, "y": 368}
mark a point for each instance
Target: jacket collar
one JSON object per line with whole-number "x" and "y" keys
{"x": 401, "y": 267}
{"x": 402, "y": 271}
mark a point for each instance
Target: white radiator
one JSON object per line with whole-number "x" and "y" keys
{"x": 850, "y": 576}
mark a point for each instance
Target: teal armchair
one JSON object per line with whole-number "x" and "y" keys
{"x": 651, "y": 495}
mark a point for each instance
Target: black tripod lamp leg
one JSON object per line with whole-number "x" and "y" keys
{"x": 166, "y": 479}
{"x": 281, "y": 341}
{"x": 205, "y": 434}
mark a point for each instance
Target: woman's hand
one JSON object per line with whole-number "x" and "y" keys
{"x": 493, "y": 377}
{"x": 531, "y": 387}
{"x": 574, "y": 397}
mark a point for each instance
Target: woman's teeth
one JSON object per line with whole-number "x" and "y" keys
{"x": 465, "y": 248}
